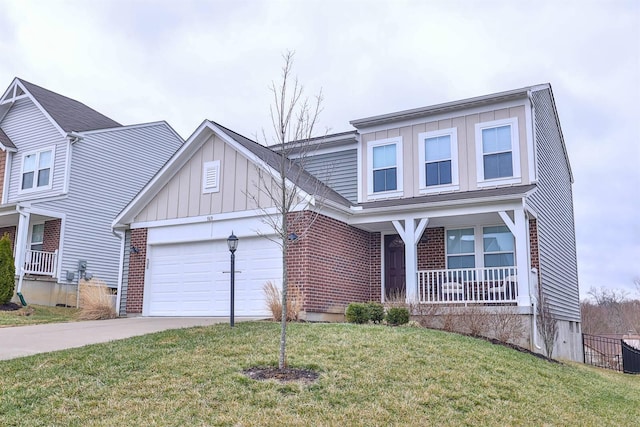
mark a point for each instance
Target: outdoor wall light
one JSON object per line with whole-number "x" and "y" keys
{"x": 292, "y": 237}
{"x": 134, "y": 250}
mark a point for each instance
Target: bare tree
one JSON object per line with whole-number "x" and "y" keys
{"x": 547, "y": 326}
{"x": 288, "y": 187}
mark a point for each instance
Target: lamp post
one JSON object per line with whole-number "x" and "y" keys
{"x": 232, "y": 243}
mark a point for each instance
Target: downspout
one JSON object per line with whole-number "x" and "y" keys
{"x": 121, "y": 236}
{"x": 20, "y": 245}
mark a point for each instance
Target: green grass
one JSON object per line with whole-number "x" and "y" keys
{"x": 39, "y": 314}
{"x": 369, "y": 375}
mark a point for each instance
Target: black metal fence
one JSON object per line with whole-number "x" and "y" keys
{"x": 611, "y": 353}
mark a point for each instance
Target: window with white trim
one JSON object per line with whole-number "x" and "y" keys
{"x": 465, "y": 251}
{"x": 385, "y": 167}
{"x": 37, "y": 237}
{"x": 438, "y": 156}
{"x": 37, "y": 170}
{"x": 497, "y": 145}
{"x": 211, "y": 177}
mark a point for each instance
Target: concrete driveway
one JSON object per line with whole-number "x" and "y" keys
{"x": 22, "y": 341}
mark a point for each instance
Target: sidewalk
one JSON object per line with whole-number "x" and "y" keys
{"x": 22, "y": 341}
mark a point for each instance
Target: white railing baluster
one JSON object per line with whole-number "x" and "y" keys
{"x": 40, "y": 262}
{"x": 469, "y": 285}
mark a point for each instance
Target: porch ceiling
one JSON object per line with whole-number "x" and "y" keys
{"x": 9, "y": 219}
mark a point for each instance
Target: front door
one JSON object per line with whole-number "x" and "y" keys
{"x": 394, "y": 271}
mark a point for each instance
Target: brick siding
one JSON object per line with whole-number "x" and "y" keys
{"x": 137, "y": 264}
{"x": 533, "y": 247}
{"x": 431, "y": 250}
{"x": 375, "y": 266}
{"x": 51, "y": 239}
{"x": 11, "y": 231}
{"x": 331, "y": 265}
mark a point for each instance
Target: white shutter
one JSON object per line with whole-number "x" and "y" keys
{"x": 211, "y": 177}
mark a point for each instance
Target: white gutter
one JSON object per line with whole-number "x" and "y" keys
{"x": 121, "y": 236}
{"x": 72, "y": 138}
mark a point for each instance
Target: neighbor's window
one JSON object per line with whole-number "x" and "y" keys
{"x": 498, "y": 149}
{"x": 36, "y": 170}
{"x": 461, "y": 248}
{"x": 37, "y": 237}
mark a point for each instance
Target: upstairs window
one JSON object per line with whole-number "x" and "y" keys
{"x": 36, "y": 170}
{"x": 385, "y": 160}
{"x": 438, "y": 153}
{"x": 498, "y": 147}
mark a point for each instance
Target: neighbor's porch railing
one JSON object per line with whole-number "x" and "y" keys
{"x": 468, "y": 285}
{"x": 40, "y": 262}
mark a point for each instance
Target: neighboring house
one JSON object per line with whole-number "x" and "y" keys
{"x": 462, "y": 204}
{"x": 67, "y": 171}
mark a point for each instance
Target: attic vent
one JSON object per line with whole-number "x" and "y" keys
{"x": 211, "y": 177}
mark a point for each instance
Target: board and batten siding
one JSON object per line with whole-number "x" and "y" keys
{"x": 337, "y": 170}
{"x": 108, "y": 169}
{"x": 183, "y": 196}
{"x": 553, "y": 203}
{"x": 30, "y": 130}
{"x": 466, "y": 131}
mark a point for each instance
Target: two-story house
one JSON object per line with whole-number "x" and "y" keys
{"x": 462, "y": 204}
{"x": 67, "y": 170}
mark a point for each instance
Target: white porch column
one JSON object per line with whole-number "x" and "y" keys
{"x": 21, "y": 239}
{"x": 518, "y": 228}
{"x": 410, "y": 235}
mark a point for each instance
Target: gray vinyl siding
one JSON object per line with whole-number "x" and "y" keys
{"x": 553, "y": 203}
{"x": 30, "y": 131}
{"x": 337, "y": 170}
{"x": 107, "y": 170}
{"x": 122, "y": 310}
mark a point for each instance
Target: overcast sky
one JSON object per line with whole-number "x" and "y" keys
{"x": 186, "y": 61}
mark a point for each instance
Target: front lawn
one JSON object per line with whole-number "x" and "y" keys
{"x": 369, "y": 375}
{"x": 36, "y": 314}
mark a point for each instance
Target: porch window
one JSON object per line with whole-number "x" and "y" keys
{"x": 385, "y": 171}
{"x": 499, "y": 247}
{"x": 438, "y": 153}
{"x": 498, "y": 145}
{"x": 36, "y": 170}
{"x": 461, "y": 248}
{"x": 37, "y": 237}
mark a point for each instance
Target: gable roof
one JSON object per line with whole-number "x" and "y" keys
{"x": 69, "y": 114}
{"x": 294, "y": 172}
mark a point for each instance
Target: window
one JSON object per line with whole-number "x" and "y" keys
{"x": 499, "y": 247}
{"x": 385, "y": 167}
{"x": 211, "y": 177}
{"x": 498, "y": 147}
{"x": 36, "y": 170}
{"x": 438, "y": 152}
{"x": 37, "y": 237}
{"x": 461, "y": 248}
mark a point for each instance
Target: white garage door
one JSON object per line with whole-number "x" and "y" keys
{"x": 192, "y": 279}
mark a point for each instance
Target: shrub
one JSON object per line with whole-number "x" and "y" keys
{"x": 274, "y": 301}
{"x": 376, "y": 312}
{"x": 357, "y": 312}
{"x": 96, "y": 302}
{"x": 7, "y": 270}
{"x": 397, "y": 316}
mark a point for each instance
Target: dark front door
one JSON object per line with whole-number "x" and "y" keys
{"x": 394, "y": 273}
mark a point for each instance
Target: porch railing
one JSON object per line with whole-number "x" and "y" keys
{"x": 468, "y": 285}
{"x": 40, "y": 262}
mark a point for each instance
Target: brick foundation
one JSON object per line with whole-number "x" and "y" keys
{"x": 137, "y": 263}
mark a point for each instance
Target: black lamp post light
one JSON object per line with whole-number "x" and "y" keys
{"x": 232, "y": 243}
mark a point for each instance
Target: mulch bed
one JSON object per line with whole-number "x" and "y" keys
{"x": 285, "y": 375}
{"x": 10, "y": 306}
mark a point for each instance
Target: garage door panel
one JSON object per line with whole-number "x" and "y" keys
{"x": 192, "y": 279}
